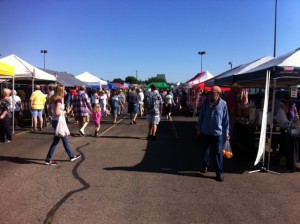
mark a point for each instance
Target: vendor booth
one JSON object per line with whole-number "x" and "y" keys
{"x": 28, "y": 75}
{"x": 64, "y": 78}
{"x": 91, "y": 80}
{"x": 196, "y": 87}
{"x": 227, "y": 78}
{"x": 159, "y": 85}
{"x": 280, "y": 72}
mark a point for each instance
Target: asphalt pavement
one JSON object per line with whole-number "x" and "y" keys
{"x": 124, "y": 178}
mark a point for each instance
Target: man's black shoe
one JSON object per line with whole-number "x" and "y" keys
{"x": 203, "y": 170}
{"x": 220, "y": 178}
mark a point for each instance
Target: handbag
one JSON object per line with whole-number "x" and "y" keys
{"x": 62, "y": 127}
{"x": 227, "y": 152}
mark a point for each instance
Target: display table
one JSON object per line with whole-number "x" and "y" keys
{"x": 247, "y": 137}
{"x": 244, "y": 137}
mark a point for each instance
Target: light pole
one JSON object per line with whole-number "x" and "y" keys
{"x": 44, "y": 52}
{"x": 201, "y": 53}
{"x": 275, "y": 29}
{"x": 230, "y": 63}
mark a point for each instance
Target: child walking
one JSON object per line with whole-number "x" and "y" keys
{"x": 97, "y": 115}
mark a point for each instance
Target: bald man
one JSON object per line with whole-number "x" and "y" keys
{"x": 213, "y": 129}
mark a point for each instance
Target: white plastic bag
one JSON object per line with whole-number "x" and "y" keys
{"x": 62, "y": 127}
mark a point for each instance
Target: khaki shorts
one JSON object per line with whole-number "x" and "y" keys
{"x": 83, "y": 119}
{"x": 153, "y": 119}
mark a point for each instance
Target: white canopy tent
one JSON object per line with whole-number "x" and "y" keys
{"x": 283, "y": 71}
{"x": 228, "y": 78}
{"x": 90, "y": 79}
{"x": 24, "y": 70}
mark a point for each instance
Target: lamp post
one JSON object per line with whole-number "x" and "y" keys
{"x": 201, "y": 53}
{"x": 44, "y": 52}
{"x": 230, "y": 63}
{"x": 275, "y": 29}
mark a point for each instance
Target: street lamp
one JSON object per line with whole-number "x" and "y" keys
{"x": 201, "y": 53}
{"x": 44, "y": 52}
{"x": 275, "y": 29}
{"x": 230, "y": 63}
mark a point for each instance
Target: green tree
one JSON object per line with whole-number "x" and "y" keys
{"x": 118, "y": 80}
{"x": 155, "y": 79}
{"x": 131, "y": 80}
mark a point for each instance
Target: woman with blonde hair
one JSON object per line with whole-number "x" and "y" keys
{"x": 5, "y": 116}
{"x": 56, "y": 109}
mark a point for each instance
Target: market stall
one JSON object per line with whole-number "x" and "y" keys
{"x": 91, "y": 80}
{"x": 283, "y": 72}
{"x": 25, "y": 73}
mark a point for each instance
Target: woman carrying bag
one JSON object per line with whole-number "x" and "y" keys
{"x": 58, "y": 122}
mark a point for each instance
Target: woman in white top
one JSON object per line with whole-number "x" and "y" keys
{"x": 141, "y": 101}
{"x": 94, "y": 97}
{"x": 15, "y": 106}
{"x": 103, "y": 102}
{"x": 169, "y": 102}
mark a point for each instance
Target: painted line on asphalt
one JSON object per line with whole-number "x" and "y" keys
{"x": 111, "y": 127}
{"x": 173, "y": 128}
{"x": 23, "y": 132}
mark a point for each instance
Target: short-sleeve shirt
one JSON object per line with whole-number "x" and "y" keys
{"x": 154, "y": 100}
{"x": 81, "y": 105}
{"x": 54, "y": 117}
{"x": 115, "y": 102}
{"x": 38, "y": 100}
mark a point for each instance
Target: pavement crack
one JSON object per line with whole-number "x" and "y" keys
{"x": 85, "y": 185}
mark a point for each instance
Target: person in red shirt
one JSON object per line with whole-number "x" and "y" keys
{"x": 73, "y": 94}
{"x": 232, "y": 100}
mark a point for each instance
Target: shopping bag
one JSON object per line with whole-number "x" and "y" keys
{"x": 227, "y": 152}
{"x": 62, "y": 127}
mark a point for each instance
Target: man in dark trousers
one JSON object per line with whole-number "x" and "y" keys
{"x": 133, "y": 104}
{"x": 213, "y": 129}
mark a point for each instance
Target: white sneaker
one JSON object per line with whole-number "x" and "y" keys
{"x": 75, "y": 157}
{"x": 17, "y": 128}
{"x": 81, "y": 132}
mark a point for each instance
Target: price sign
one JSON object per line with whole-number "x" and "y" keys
{"x": 293, "y": 91}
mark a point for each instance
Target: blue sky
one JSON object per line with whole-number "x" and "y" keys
{"x": 115, "y": 38}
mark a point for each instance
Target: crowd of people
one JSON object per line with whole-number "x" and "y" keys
{"x": 217, "y": 113}
{"x": 81, "y": 104}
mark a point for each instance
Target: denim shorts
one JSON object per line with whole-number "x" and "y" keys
{"x": 37, "y": 113}
{"x": 132, "y": 108}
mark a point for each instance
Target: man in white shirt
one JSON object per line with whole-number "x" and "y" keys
{"x": 141, "y": 101}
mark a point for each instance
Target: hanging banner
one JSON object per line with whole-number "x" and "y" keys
{"x": 263, "y": 132}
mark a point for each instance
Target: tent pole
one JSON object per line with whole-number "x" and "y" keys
{"x": 13, "y": 105}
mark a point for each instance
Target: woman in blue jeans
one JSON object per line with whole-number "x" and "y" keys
{"x": 57, "y": 109}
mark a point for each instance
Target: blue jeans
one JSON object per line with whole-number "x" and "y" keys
{"x": 55, "y": 143}
{"x": 212, "y": 148}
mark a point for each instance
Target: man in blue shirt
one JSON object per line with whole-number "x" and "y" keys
{"x": 213, "y": 128}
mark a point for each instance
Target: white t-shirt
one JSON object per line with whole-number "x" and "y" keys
{"x": 16, "y": 101}
{"x": 141, "y": 97}
{"x": 103, "y": 99}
